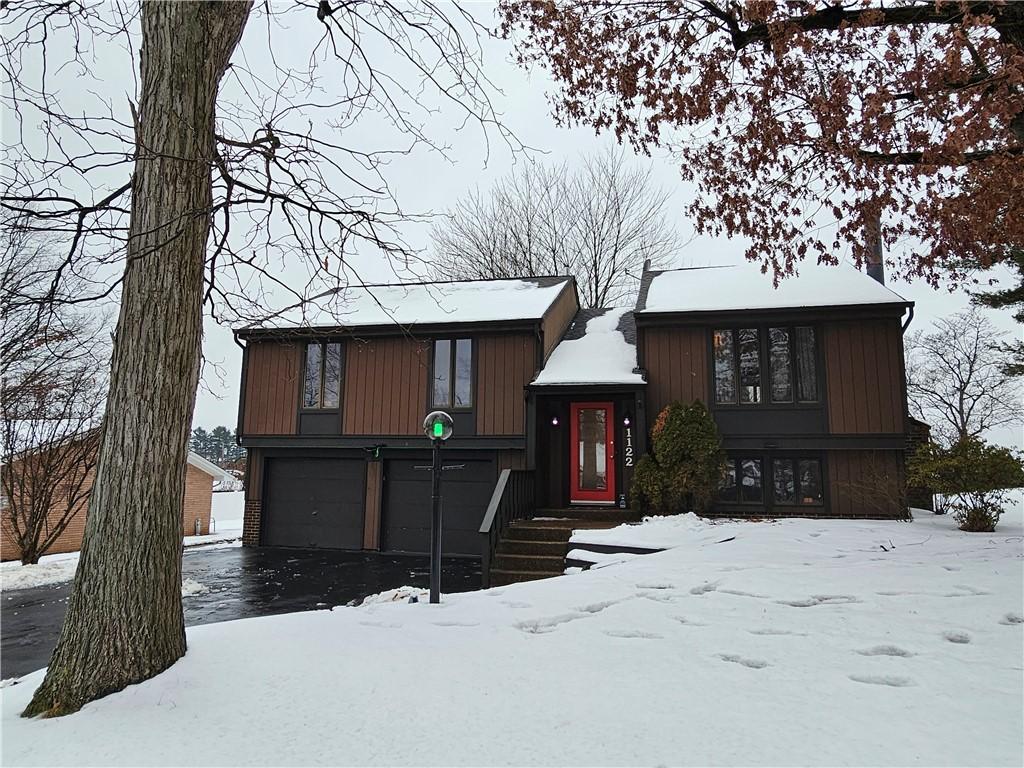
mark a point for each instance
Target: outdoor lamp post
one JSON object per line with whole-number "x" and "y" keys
{"x": 438, "y": 427}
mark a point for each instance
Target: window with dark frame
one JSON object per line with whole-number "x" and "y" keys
{"x": 453, "y": 373}
{"x": 789, "y": 366}
{"x": 321, "y": 379}
{"x": 743, "y": 481}
{"x": 795, "y": 481}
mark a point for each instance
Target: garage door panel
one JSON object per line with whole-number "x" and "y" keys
{"x": 465, "y": 494}
{"x": 314, "y": 502}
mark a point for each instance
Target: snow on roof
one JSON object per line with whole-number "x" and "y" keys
{"x": 594, "y": 350}
{"x": 208, "y": 467}
{"x": 743, "y": 286}
{"x": 470, "y": 301}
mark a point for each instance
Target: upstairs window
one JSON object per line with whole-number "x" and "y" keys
{"x": 321, "y": 379}
{"x": 453, "y": 373}
{"x": 759, "y": 365}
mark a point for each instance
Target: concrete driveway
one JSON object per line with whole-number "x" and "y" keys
{"x": 241, "y": 583}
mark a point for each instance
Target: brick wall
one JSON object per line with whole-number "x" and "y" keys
{"x": 251, "y": 523}
{"x": 198, "y": 499}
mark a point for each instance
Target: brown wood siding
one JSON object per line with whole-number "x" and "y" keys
{"x": 385, "y": 386}
{"x": 273, "y": 370}
{"x": 504, "y": 366}
{"x": 866, "y": 484}
{"x": 677, "y": 366}
{"x": 374, "y": 493}
{"x": 558, "y": 317}
{"x": 511, "y": 459}
{"x": 864, "y": 376}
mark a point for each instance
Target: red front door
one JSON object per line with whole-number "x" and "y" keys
{"x": 592, "y": 451}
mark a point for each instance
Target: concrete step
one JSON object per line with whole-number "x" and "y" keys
{"x": 612, "y": 514}
{"x": 500, "y": 577}
{"x": 546, "y": 563}
{"x": 532, "y": 547}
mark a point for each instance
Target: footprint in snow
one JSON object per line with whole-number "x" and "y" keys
{"x": 381, "y": 624}
{"x": 770, "y": 631}
{"x": 809, "y": 602}
{"x": 751, "y": 663}
{"x": 885, "y": 650}
{"x": 689, "y": 622}
{"x": 632, "y": 634}
{"x": 741, "y": 593}
{"x": 544, "y": 625}
{"x": 703, "y": 589}
{"x": 960, "y": 638}
{"x": 894, "y": 681}
{"x": 1012, "y": 618}
{"x": 656, "y": 586}
{"x": 598, "y": 607}
{"x": 658, "y": 597}
{"x": 951, "y": 567}
{"x": 516, "y": 604}
{"x": 456, "y": 623}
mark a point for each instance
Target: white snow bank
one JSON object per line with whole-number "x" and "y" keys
{"x": 51, "y": 569}
{"x": 463, "y": 302}
{"x": 227, "y": 510}
{"x": 654, "y": 532}
{"x": 191, "y": 587}
{"x": 796, "y": 643}
{"x": 601, "y": 356}
{"x": 743, "y": 286}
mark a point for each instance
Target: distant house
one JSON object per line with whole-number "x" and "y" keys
{"x": 200, "y": 475}
{"x": 806, "y": 384}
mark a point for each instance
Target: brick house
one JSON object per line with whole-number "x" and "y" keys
{"x": 199, "y": 477}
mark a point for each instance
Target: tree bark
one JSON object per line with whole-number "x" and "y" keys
{"x": 124, "y": 622}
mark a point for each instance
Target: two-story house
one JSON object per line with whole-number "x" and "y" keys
{"x": 805, "y": 381}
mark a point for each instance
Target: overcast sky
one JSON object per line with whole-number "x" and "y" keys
{"x": 425, "y": 182}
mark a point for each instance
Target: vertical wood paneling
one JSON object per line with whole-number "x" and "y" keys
{"x": 273, "y": 372}
{"x": 374, "y": 492}
{"x": 866, "y": 484}
{"x": 557, "y": 319}
{"x": 385, "y": 386}
{"x": 864, "y": 376}
{"x": 676, "y": 363}
{"x": 504, "y": 366}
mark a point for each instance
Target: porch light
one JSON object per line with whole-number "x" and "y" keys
{"x": 625, "y": 421}
{"x": 554, "y": 421}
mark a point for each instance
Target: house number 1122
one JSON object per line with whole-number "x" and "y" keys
{"x": 629, "y": 446}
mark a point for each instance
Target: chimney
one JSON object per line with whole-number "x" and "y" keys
{"x": 875, "y": 266}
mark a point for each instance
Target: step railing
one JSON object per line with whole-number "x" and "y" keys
{"x": 512, "y": 500}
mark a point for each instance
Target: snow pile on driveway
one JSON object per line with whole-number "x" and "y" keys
{"x": 800, "y": 642}
{"x": 55, "y": 569}
{"x": 51, "y": 569}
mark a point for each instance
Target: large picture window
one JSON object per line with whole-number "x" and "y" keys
{"x": 784, "y": 357}
{"x": 321, "y": 379}
{"x": 453, "y": 373}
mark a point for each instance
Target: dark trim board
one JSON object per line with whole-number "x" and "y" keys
{"x": 420, "y": 332}
{"x": 790, "y": 315}
{"x": 368, "y": 442}
{"x": 815, "y": 442}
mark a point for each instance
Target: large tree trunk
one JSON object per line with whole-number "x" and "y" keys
{"x": 124, "y": 622}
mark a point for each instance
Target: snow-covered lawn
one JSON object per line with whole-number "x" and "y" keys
{"x": 55, "y": 569}
{"x": 796, "y": 642}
